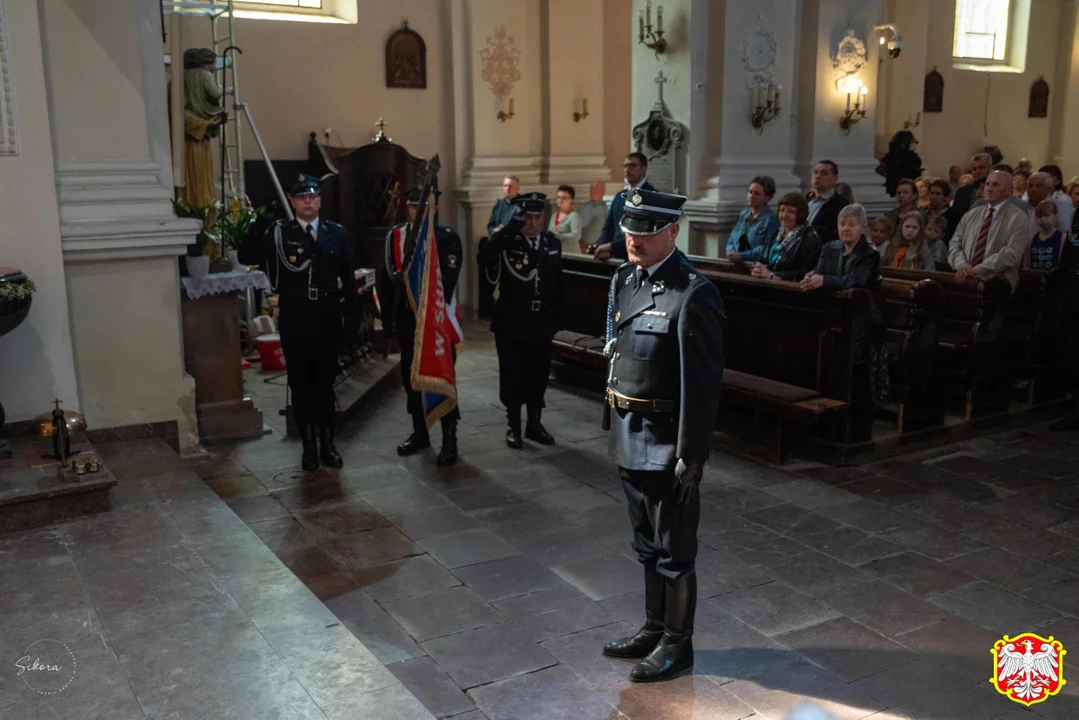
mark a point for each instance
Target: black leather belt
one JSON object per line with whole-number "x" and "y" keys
{"x": 312, "y": 293}
{"x": 621, "y": 402}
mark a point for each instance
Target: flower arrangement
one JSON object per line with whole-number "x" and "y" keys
{"x": 17, "y": 290}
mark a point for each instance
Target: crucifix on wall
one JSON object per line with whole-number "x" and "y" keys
{"x": 659, "y": 138}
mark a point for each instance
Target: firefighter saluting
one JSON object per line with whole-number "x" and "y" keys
{"x": 309, "y": 263}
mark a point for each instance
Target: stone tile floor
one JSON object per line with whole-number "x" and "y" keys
{"x": 488, "y": 589}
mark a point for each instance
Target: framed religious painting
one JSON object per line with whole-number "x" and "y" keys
{"x": 406, "y": 59}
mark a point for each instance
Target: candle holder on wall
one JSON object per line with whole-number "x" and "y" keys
{"x": 856, "y": 112}
{"x": 579, "y": 116}
{"x": 651, "y": 39}
{"x": 503, "y": 116}
{"x": 766, "y": 108}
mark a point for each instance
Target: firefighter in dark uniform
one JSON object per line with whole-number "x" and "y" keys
{"x": 527, "y": 263}
{"x": 665, "y": 354}
{"x": 309, "y": 263}
{"x": 400, "y": 321}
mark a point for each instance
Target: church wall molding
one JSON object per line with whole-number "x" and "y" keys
{"x": 118, "y": 210}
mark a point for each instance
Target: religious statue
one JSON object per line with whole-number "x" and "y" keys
{"x": 203, "y": 117}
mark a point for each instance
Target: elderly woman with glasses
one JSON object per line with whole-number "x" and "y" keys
{"x": 757, "y": 224}
{"x": 795, "y": 248}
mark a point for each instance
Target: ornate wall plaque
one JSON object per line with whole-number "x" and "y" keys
{"x": 850, "y": 57}
{"x": 759, "y": 52}
{"x": 8, "y": 138}
{"x": 1039, "y": 99}
{"x": 500, "y": 59}
{"x": 659, "y": 138}
{"x": 933, "y": 92}
{"x": 406, "y": 59}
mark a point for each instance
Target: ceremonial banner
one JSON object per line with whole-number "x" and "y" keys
{"x": 438, "y": 331}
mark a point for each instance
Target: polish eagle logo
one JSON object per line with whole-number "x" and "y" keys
{"x": 1028, "y": 669}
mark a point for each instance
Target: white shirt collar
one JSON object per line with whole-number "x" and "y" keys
{"x": 640, "y": 184}
{"x": 825, "y": 196}
{"x": 652, "y": 269}
{"x": 313, "y": 225}
{"x": 997, "y": 207}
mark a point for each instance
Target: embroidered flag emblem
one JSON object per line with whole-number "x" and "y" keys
{"x": 1028, "y": 669}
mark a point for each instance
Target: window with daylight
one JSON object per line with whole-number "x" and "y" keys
{"x": 990, "y": 34}
{"x": 326, "y": 11}
{"x": 287, "y": 3}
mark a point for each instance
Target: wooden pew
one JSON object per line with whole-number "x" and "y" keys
{"x": 796, "y": 356}
{"x": 912, "y": 312}
{"x": 1034, "y": 351}
{"x": 971, "y": 360}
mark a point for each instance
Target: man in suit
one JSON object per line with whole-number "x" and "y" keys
{"x": 991, "y": 239}
{"x": 824, "y": 202}
{"x": 309, "y": 263}
{"x": 527, "y": 313}
{"x": 665, "y": 349}
{"x": 964, "y": 196}
{"x": 400, "y": 322}
{"x": 612, "y": 242}
{"x": 504, "y": 208}
{"x": 939, "y": 196}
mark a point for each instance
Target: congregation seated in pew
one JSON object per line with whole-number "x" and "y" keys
{"x": 795, "y": 248}
{"x": 908, "y": 247}
{"x": 756, "y": 225}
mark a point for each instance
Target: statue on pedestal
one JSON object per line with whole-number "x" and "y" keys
{"x": 203, "y": 117}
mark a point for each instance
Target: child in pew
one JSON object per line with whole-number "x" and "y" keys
{"x": 1043, "y": 252}
{"x": 934, "y": 238}
{"x": 880, "y": 232}
{"x": 907, "y": 249}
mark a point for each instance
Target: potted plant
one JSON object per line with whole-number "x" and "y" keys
{"x": 16, "y": 294}
{"x": 232, "y": 229}
{"x": 197, "y": 259}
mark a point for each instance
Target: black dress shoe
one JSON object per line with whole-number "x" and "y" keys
{"x": 309, "y": 462}
{"x": 644, "y": 640}
{"x": 513, "y": 438}
{"x": 1068, "y": 423}
{"x": 673, "y": 656}
{"x": 416, "y": 442}
{"x": 328, "y": 451}
{"x": 535, "y": 431}
{"x": 448, "y": 454}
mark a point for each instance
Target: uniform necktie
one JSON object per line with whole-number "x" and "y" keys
{"x": 983, "y": 238}
{"x": 311, "y": 233}
{"x": 641, "y": 275}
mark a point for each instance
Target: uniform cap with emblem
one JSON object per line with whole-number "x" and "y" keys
{"x": 533, "y": 202}
{"x": 416, "y": 193}
{"x": 647, "y": 212}
{"x": 305, "y": 184}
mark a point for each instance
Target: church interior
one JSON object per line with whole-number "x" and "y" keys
{"x": 891, "y": 499}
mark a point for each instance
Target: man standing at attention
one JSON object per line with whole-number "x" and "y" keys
{"x": 504, "y": 207}
{"x": 612, "y": 242}
{"x": 593, "y": 213}
{"x": 992, "y": 238}
{"x": 400, "y": 322}
{"x": 824, "y": 202}
{"x": 527, "y": 313}
{"x": 309, "y": 263}
{"x": 665, "y": 349}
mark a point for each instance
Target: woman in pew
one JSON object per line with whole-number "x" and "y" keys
{"x": 908, "y": 248}
{"x": 852, "y": 262}
{"x": 756, "y": 224}
{"x": 796, "y": 247}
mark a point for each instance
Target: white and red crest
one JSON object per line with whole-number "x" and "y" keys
{"x": 1028, "y": 669}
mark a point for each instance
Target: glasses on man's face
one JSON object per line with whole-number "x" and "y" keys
{"x": 630, "y": 165}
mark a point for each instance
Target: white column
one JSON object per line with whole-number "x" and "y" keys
{"x": 825, "y": 24}
{"x": 120, "y": 238}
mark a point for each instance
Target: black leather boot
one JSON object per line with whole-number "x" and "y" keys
{"x": 535, "y": 431}
{"x": 310, "y": 448}
{"x": 417, "y": 441}
{"x": 674, "y": 653}
{"x": 646, "y": 639}
{"x": 513, "y": 428}
{"x": 448, "y": 454}
{"x": 328, "y": 454}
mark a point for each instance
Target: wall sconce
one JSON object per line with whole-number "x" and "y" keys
{"x": 503, "y": 116}
{"x": 655, "y": 40}
{"x": 766, "y": 106}
{"x": 907, "y": 124}
{"x": 851, "y": 117}
{"x": 579, "y": 116}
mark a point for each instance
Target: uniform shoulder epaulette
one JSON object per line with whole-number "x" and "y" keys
{"x": 623, "y": 266}
{"x": 332, "y": 224}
